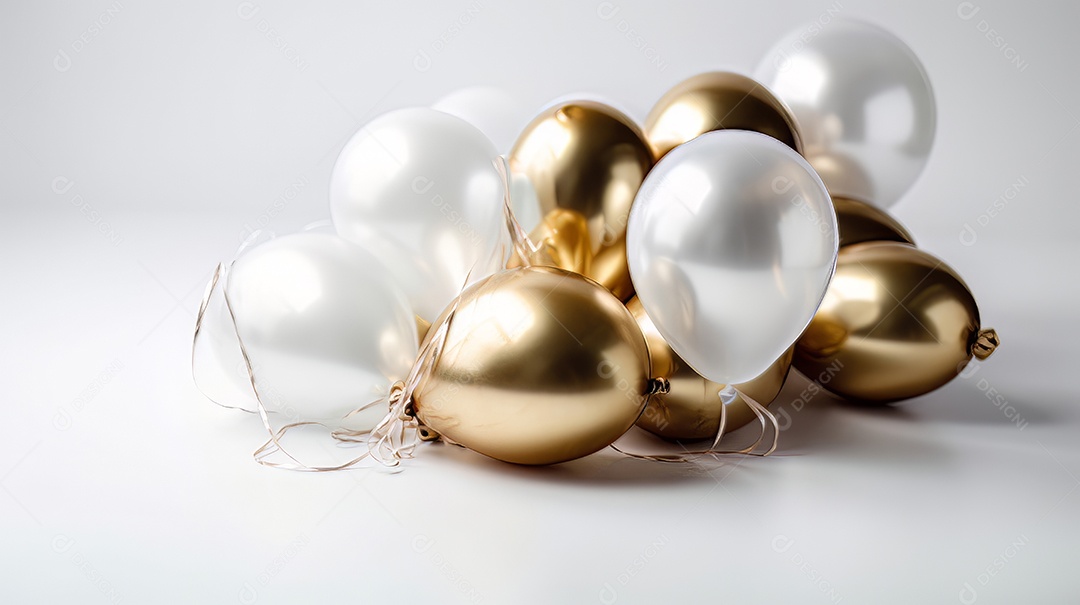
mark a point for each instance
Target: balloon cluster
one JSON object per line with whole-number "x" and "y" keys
{"x": 603, "y": 275}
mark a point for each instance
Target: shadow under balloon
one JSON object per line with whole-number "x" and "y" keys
{"x": 606, "y": 468}
{"x": 815, "y": 422}
{"x": 971, "y": 403}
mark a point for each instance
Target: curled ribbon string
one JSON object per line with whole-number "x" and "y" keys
{"x": 727, "y": 395}
{"x": 526, "y": 251}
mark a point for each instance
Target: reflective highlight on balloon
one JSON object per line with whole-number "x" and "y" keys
{"x": 419, "y": 189}
{"x": 861, "y": 222}
{"x": 691, "y": 408}
{"x": 732, "y": 241}
{"x": 864, "y": 106}
{"x": 716, "y": 101}
{"x": 323, "y": 326}
{"x": 896, "y": 323}
{"x": 538, "y": 366}
{"x": 588, "y": 158}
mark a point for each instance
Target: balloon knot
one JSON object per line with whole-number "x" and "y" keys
{"x": 986, "y": 343}
{"x": 658, "y": 386}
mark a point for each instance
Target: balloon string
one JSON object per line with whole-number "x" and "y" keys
{"x": 273, "y": 445}
{"x": 764, "y": 417}
{"x": 524, "y": 248}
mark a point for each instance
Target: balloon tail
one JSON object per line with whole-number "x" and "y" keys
{"x": 728, "y": 395}
{"x": 986, "y": 342}
{"x": 524, "y": 251}
{"x": 396, "y": 436}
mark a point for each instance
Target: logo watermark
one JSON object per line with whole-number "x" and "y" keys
{"x": 781, "y": 60}
{"x": 967, "y": 11}
{"x": 422, "y": 544}
{"x": 968, "y": 593}
{"x": 61, "y": 185}
{"x": 249, "y": 592}
{"x": 423, "y": 59}
{"x": 609, "y": 593}
{"x": 969, "y": 234}
{"x": 783, "y": 545}
{"x": 65, "y": 414}
{"x": 63, "y": 61}
{"x": 66, "y": 547}
{"x": 247, "y": 11}
{"x": 607, "y": 11}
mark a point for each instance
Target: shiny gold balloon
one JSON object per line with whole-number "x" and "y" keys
{"x": 895, "y": 323}
{"x": 860, "y": 222}
{"x": 422, "y": 327}
{"x": 538, "y": 366}
{"x": 563, "y": 236}
{"x": 691, "y": 409}
{"x": 588, "y": 158}
{"x": 717, "y": 101}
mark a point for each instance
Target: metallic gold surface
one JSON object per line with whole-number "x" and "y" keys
{"x": 422, "y": 327}
{"x": 895, "y": 323}
{"x": 539, "y": 366}
{"x": 986, "y": 343}
{"x": 564, "y": 236}
{"x": 717, "y": 101}
{"x": 691, "y": 408}
{"x": 860, "y": 222}
{"x": 589, "y": 158}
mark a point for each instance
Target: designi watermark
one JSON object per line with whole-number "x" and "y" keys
{"x": 967, "y": 11}
{"x": 63, "y": 60}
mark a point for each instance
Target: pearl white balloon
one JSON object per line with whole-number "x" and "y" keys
{"x": 420, "y": 190}
{"x": 864, "y": 105}
{"x": 325, "y": 329}
{"x": 731, "y": 243}
{"x": 500, "y": 115}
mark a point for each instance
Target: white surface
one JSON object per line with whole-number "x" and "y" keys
{"x": 175, "y": 131}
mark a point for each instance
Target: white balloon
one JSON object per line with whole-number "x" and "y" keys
{"x": 498, "y": 114}
{"x": 731, "y": 243}
{"x": 325, "y": 329}
{"x": 420, "y": 190}
{"x": 864, "y": 105}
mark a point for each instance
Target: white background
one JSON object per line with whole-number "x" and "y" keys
{"x": 138, "y": 143}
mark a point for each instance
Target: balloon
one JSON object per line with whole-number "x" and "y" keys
{"x": 860, "y": 222}
{"x": 715, "y": 101}
{"x": 863, "y": 103}
{"x": 731, "y": 243}
{"x": 419, "y": 188}
{"x": 587, "y": 157}
{"x": 321, "y": 321}
{"x": 895, "y": 323}
{"x": 564, "y": 237}
{"x": 691, "y": 409}
{"x": 538, "y": 366}
{"x": 494, "y": 111}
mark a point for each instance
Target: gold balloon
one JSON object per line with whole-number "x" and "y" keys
{"x": 563, "y": 236}
{"x": 860, "y": 222}
{"x": 538, "y": 366}
{"x": 422, "y": 327}
{"x": 590, "y": 159}
{"x": 895, "y": 323}
{"x": 717, "y": 101}
{"x": 691, "y": 409}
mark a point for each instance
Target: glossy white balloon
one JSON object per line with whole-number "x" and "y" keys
{"x": 863, "y": 102}
{"x": 420, "y": 190}
{"x": 324, "y": 326}
{"x": 731, "y": 243}
{"x": 500, "y": 115}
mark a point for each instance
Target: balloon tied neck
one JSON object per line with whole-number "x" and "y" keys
{"x": 426, "y": 434}
{"x": 398, "y": 396}
{"x": 985, "y": 344}
{"x": 658, "y": 386}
